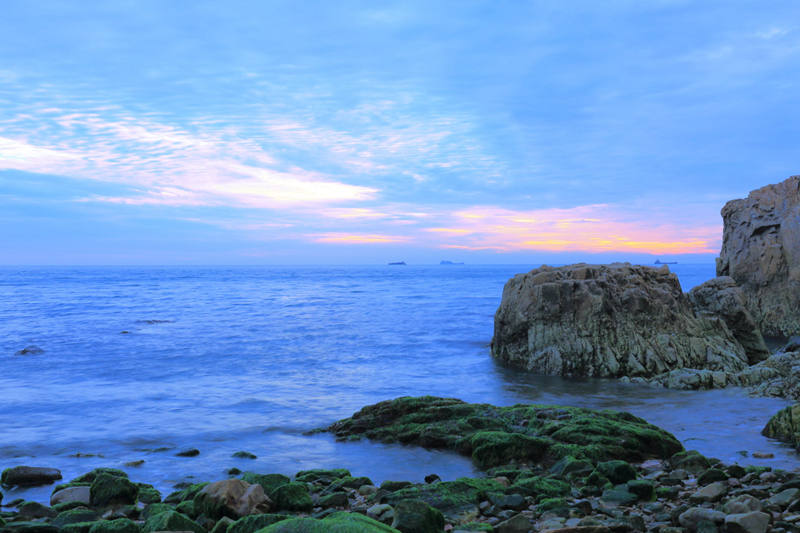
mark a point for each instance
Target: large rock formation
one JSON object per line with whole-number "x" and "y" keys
{"x": 720, "y": 298}
{"x": 609, "y": 321}
{"x": 761, "y": 252}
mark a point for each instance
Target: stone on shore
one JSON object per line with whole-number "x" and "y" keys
{"x": 785, "y": 426}
{"x": 608, "y": 321}
{"x": 761, "y": 252}
{"x": 29, "y": 476}
{"x": 71, "y": 494}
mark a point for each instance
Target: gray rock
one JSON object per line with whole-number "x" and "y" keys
{"x": 694, "y": 515}
{"x": 608, "y": 321}
{"x": 29, "y": 476}
{"x": 71, "y": 494}
{"x": 30, "y": 350}
{"x": 744, "y": 503}
{"x": 785, "y": 425}
{"x": 721, "y": 297}
{"x": 761, "y": 252}
{"x": 516, "y": 524}
{"x": 710, "y": 493}
{"x": 752, "y": 522}
{"x": 784, "y": 497}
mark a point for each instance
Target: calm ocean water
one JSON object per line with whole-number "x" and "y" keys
{"x": 137, "y": 360}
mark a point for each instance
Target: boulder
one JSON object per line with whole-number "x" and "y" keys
{"x": 415, "y": 516}
{"x": 29, "y": 476}
{"x": 721, "y": 297}
{"x": 108, "y": 489}
{"x": 233, "y": 498}
{"x": 752, "y": 522}
{"x": 608, "y": 321}
{"x": 761, "y": 252}
{"x": 71, "y": 494}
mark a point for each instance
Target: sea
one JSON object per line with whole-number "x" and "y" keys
{"x": 140, "y": 363}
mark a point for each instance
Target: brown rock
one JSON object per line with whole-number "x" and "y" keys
{"x": 761, "y": 252}
{"x": 233, "y": 498}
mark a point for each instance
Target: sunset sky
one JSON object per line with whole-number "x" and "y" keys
{"x": 153, "y": 132}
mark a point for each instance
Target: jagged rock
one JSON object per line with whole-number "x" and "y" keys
{"x": 721, "y": 297}
{"x": 608, "y": 321}
{"x": 761, "y": 252}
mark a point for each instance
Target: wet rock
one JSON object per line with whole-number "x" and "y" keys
{"x": 608, "y": 321}
{"x": 244, "y": 455}
{"x": 711, "y": 475}
{"x": 752, "y": 522}
{"x": 493, "y": 436}
{"x": 71, "y": 494}
{"x": 339, "y": 522}
{"x": 321, "y": 475}
{"x": 233, "y": 498}
{"x": 74, "y": 516}
{"x": 785, "y": 425}
{"x": 760, "y": 252}
{"x": 415, "y": 516}
{"x": 432, "y": 478}
{"x": 189, "y": 452}
{"x": 29, "y": 476}
{"x": 645, "y": 490}
{"x": 392, "y": 486}
{"x": 784, "y": 497}
{"x": 690, "y": 461}
{"x": 30, "y": 350}
{"x": 618, "y": 496}
{"x": 107, "y": 489}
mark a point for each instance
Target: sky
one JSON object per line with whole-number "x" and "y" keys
{"x": 190, "y": 132}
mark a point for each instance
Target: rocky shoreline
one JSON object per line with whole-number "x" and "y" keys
{"x": 548, "y": 468}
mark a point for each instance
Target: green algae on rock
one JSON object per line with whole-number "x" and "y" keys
{"x": 493, "y": 436}
{"x": 340, "y": 522}
{"x": 785, "y": 426}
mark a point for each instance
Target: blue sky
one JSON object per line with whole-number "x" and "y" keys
{"x": 363, "y": 132}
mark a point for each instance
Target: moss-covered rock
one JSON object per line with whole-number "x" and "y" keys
{"x": 539, "y": 487}
{"x": 89, "y": 477}
{"x": 120, "y": 525}
{"x": 148, "y": 493}
{"x": 348, "y": 482}
{"x": 187, "y": 493}
{"x": 268, "y": 482}
{"x": 155, "y": 508}
{"x": 340, "y": 522}
{"x": 616, "y": 471}
{"x": 453, "y": 498}
{"x": 644, "y": 489}
{"x": 292, "y": 496}
{"x": 29, "y": 527}
{"x": 416, "y": 516}
{"x": 171, "y": 521}
{"x": 188, "y": 508}
{"x": 785, "y": 426}
{"x": 66, "y": 506}
{"x": 78, "y": 527}
{"x": 337, "y": 499}
{"x": 73, "y": 516}
{"x": 107, "y": 489}
{"x": 520, "y": 433}
{"x": 252, "y": 523}
{"x": 325, "y": 476}
{"x": 691, "y": 461}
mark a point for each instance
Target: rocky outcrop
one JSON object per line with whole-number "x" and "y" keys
{"x": 785, "y": 426}
{"x": 761, "y": 252}
{"x": 616, "y": 320}
{"x": 720, "y": 298}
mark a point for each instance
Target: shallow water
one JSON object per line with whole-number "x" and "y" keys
{"x": 227, "y": 359}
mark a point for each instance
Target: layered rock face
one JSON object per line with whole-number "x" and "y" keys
{"x": 761, "y": 252}
{"x": 610, "y": 321}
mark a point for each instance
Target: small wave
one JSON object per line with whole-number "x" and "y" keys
{"x": 154, "y": 321}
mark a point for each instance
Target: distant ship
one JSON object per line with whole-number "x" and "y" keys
{"x": 660, "y": 262}
{"x": 398, "y": 263}
{"x": 444, "y": 262}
